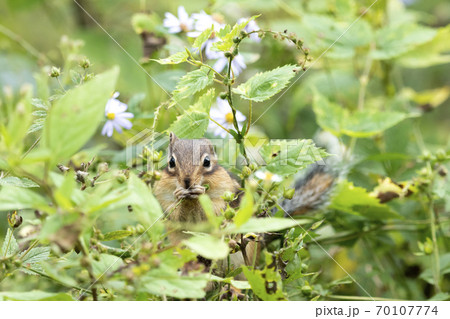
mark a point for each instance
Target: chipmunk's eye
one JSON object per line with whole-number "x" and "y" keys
{"x": 172, "y": 162}
{"x": 206, "y": 162}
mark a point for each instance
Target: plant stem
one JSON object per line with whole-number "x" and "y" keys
{"x": 250, "y": 111}
{"x": 219, "y": 124}
{"x": 27, "y": 46}
{"x": 436, "y": 263}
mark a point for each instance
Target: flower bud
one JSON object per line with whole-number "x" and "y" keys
{"x": 85, "y": 63}
{"x": 140, "y": 229}
{"x": 306, "y": 290}
{"x": 223, "y": 95}
{"x": 235, "y": 51}
{"x": 440, "y": 155}
{"x": 246, "y": 171}
{"x": 157, "y": 175}
{"x": 229, "y": 213}
{"x": 426, "y": 156}
{"x": 55, "y": 72}
{"x": 103, "y": 167}
{"x": 14, "y": 220}
{"x": 289, "y": 193}
{"x": 236, "y": 39}
{"x": 253, "y": 166}
{"x": 228, "y": 196}
{"x": 228, "y": 54}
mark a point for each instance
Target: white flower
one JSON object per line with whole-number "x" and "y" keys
{"x": 221, "y": 113}
{"x": 116, "y": 116}
{"x": 181, "y": 24}
{"x": 268, "y": 176}
{"x": 251, "y": 26}
{"x": 237, "y": 65}
{"x": 203, "y": 21}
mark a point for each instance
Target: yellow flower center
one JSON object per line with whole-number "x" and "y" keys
{"x": 269, "y": 176}
{"x": 184, "y": 27}
{"x": 111, "y": 116}
{"x": 229, "y": 117}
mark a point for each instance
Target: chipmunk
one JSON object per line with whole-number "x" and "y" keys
{"x": 193, "y": 163}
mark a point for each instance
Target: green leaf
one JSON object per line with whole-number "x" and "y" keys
{"x": 173, "y": 285}
{"x": 208, "y": 208}
{"x": 429, "y": 53}
{"x": 74, "y": 118}
{"x": 10, "y": 246}
{"x": 265, "y": 284}
{"x": 176, "y": 58}
{"x": 395, "y": 40}
{"x": 15, "y": 198}
{"x": 291, "y": 155}
{"x": 203, "y": 37}
{"x": 245, "y": 211}
{"x": 35, "y": 295}
{"x": 336, "y": 119}
{"x": 262, "y": 225}
{"x": 144, "y": 22}
{"x": 207, "y": 246}
{"x": 263, "y": 86}
{"x": 227, "y": 38}
{"x": 357, "y": 201}
{"x": 192, "y": 83}
{"x": 32, "y": 259}
{"x": 118, "y": 234}
{"x": 17, "y": 182}
{"x": 106, "y": 264}
{"x": 194, "y": 121}
{"x": 144, "y": 204}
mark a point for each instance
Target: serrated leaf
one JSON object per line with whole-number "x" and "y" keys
{"x": 263, "y": 86}
{"x": 40, "y": 104}
{"x": 105, "y": 264}
{"x": 194, "y": 122}
{"x": 17, "y": 182}
{"x": 176, "y": 58}
{"x": 336, "y": 119}
{"x": 357, "y": 201}
{"x": 395, "y": 40}
{"x": 31, "y": 260}
{"x": 207, "y": 246}
{"x": 227, "y": 38}
{"x": 192, "y": 83}
{"x": 10, "y": 246}
{"x": 118, "y": 234}
{"x": 266, "y": 284}
{"x": 287, "y": 157}
{"x": 203, "y": 37}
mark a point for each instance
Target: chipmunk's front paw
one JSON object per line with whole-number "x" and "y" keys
{"x": 196, "y": 190}
{"x": 181, "y": 193}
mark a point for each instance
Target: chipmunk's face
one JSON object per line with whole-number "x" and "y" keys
{"x": 190, "y": 162}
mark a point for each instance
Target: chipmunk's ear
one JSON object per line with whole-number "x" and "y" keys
{"x": 172, "y": 137}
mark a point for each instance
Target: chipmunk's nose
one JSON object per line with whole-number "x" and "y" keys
{"x": 187, "y": 182}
